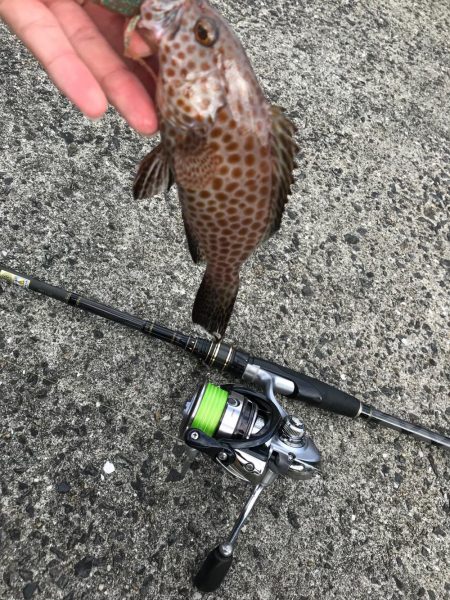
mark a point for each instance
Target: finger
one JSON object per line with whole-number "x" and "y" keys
{"x": 137, "y": 46}
{"x": 35, "y": 25}
{"x": 122, "y": 87}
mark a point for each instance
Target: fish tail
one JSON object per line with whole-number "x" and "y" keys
{"x": 215, "y": 300}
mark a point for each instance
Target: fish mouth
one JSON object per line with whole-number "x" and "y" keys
{"x": 161, "y": 16}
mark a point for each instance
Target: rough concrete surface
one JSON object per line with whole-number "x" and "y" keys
{"x": 354, "y": 289}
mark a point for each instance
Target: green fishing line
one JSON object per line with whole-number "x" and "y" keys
{"x": 210, "y": 410}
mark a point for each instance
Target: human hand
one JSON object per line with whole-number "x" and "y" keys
{"x": 81, "y": 49}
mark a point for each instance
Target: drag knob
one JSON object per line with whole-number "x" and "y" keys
{"x": 293, "y": 431}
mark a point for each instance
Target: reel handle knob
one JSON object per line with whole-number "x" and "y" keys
{"x": 214, "y": 569}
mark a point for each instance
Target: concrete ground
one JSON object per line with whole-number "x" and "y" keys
{"x": 354, "y": 289}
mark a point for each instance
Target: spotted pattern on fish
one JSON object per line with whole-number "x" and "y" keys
{"x": 230, "y": 153}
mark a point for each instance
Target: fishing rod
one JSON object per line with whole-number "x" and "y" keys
{"x": 247, "y": 433}
{"x": 287, "y": 382}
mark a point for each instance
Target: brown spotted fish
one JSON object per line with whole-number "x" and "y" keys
{"x": 229, "y": 151}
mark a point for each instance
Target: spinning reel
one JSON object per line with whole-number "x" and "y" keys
{"x": 251, "y": 436}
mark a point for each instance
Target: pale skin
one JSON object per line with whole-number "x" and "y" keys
{"x": 81, "y": 46}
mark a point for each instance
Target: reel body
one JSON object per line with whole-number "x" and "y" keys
{"x": 252, "y": 437}
{"x": 248, "y": 434}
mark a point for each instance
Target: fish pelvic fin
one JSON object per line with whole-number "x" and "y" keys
{"x": 191, "y": 236}
{"x": 283, "y": 149}
{"x": 193, "y": 245}
{"x": 154, "y": 175}
{"x": 215, "y": 301}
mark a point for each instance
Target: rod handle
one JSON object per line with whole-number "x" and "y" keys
{"x": 326, "y": 396}
{"x": 213, "y": 570}
{"x": 313, "y": 391}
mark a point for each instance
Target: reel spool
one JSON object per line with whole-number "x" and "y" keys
{"x": 221, "y": 412}
{"x": 251, "y": 436}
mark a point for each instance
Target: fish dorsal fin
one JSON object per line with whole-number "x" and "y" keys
{"x": 154, "y": 175}
{"x": 283, "y": 149}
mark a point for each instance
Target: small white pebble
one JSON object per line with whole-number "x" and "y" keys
{"x": 101, "y": 587}
{"x": 353, "y": 517}
{"x": 4, "y": 252}
{"x": 343, "y": 377}
{"x": 108, "y": 467}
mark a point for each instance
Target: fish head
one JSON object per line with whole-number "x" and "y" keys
{"x": 202, "y": 65}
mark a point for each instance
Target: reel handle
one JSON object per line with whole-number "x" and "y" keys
{"x": 214, "y": 568}
{"x": 218, "y": 562}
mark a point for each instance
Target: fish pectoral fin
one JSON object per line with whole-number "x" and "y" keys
{"x": 193, "y": 245}
{"x": 283, "y": 149}
{"x": 154, "y": 175}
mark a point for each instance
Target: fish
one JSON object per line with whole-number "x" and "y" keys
{"x": 229, "y": 151}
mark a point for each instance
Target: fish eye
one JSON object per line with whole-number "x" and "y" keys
{"x": 206, "y": 32}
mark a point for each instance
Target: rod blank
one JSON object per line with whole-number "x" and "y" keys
{"x": 235, "y": 360}
{"x": 421, "y": 433}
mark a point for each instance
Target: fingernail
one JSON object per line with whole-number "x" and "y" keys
{"x": 149, "y": 127}
{"x": 151, "y": 135}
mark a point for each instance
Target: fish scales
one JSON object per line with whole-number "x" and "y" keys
{"x": 230, "y": 153}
